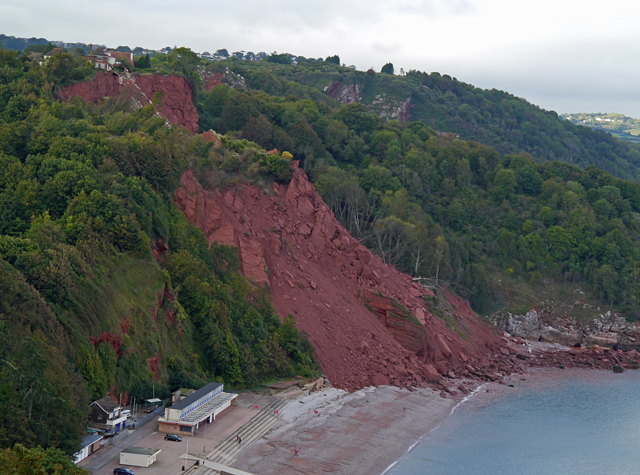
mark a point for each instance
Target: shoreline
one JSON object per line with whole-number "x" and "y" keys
{"x": 363, "y": 432}
{"x": 372, "y": 430}
{"x": 426, "y": 434}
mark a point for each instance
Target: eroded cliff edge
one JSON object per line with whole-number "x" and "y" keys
{"x": 176, "y": 105}
{"x": 370, "y": 323}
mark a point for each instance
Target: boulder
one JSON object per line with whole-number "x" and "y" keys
{"x": 380, "y": 380}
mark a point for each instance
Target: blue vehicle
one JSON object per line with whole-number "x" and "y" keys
{"x": 123, "y": 471}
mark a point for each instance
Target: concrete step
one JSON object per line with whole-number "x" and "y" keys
{"x": 253, "y": 430}
{"x": 227, "y": 451}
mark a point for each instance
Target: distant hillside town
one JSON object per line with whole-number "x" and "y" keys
{"x": 33, "y": 44}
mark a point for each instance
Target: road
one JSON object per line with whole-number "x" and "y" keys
{"x": 170, "y": 461}
{"x": 112, "y": 452}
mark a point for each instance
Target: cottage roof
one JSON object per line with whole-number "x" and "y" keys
{"x": 107, "y": 403}
{"x": 53, "y": 51}
{"x": 99, "y": 52}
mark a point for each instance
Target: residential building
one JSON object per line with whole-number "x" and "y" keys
{"x": 106, "y": 59}
{"x": 53, "y": 52}
{"x": 119, "y": 55}
{"x": 107, "y": 414}
{"x": 101, "y": 59}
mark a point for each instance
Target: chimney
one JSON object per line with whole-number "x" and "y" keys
{"x": 90, "y": 48}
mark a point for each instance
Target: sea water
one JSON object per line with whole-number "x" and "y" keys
{"x": 572, "y": 422}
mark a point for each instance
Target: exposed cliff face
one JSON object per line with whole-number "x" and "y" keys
{"x": 607, "y": 330}
{"x": 389, "y": 109}
{"x": 404, "y": 327}
{"x": 345, "y": 94}
{"x": 317, "y": 271}
{"x": 211, "y": 80}
{"x": 382, "y": 106}
{"x": 177, "y": 104}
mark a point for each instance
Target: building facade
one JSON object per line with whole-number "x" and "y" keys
{"x": 107, "y": 414}
{"x": 90, "y": 444}
{"x": 187, "y": 415}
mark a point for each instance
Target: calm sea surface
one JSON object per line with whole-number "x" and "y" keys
{"x": 573, "y": 422}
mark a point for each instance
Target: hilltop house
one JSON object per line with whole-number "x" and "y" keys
{"x": 186, "y": 415}
{"x": 107, "y": 414}
{"x": 53, "y": 52}
{"x": 105, "y": 59}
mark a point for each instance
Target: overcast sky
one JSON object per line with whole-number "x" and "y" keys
{"x": 562, "y": 55}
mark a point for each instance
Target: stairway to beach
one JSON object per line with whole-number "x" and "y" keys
{"x": 227, "y": 451}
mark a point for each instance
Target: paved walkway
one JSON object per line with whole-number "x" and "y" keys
{"x": 244, "y": 419}
{"x": 144, "y": 426}
{"x": 171, "y": 458}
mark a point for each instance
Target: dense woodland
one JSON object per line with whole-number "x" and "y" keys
{"x": 496, "y": 118}
{"x": 86, "y": 190}
{"x": 443, "y": 208}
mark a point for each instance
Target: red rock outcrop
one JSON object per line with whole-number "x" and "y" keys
{"x": 404, "y": 327}
{"x": 177, "y": 103}
{"x": 210, "y": 79}
{"x": 114, "y": 341}
{"x": 316, "y": 270}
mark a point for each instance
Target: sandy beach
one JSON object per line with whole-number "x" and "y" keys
{"x": 366, "y": 431}
{"x": 356, "y": 433}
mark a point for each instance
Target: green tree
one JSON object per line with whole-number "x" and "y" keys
{"x": 393, "y": 237}
{"x": 504, "y": 185}
{"x": 143, "y": 62}
{"x": 387, "y": 69}
{"x": 282, "y": 58}
{"x": 335, "y": 59}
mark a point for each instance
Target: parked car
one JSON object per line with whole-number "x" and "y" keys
{"x": 108, "y": 433}
{"x": 175, "y": 438}
{"x": 123, "y": 471}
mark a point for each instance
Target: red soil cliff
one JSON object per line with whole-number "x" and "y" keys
{"x": 318, "y": 272}
{"x": 176, "y": 106}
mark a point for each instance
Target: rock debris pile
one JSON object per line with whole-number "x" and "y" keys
{"x": 370, "y": 323}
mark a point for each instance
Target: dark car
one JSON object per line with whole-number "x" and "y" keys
{"x": 175, "y": 438}
{"x": 123, "y": 471}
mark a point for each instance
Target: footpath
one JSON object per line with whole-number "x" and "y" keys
{"x": 108, "y": 453}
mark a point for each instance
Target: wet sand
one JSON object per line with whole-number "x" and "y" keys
{"x": 367, "y": 431}
{"x": 351, "y": 433}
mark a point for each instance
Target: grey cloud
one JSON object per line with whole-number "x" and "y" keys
{"x": 386, "y": 48}
{"x": 439, "y": 8}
